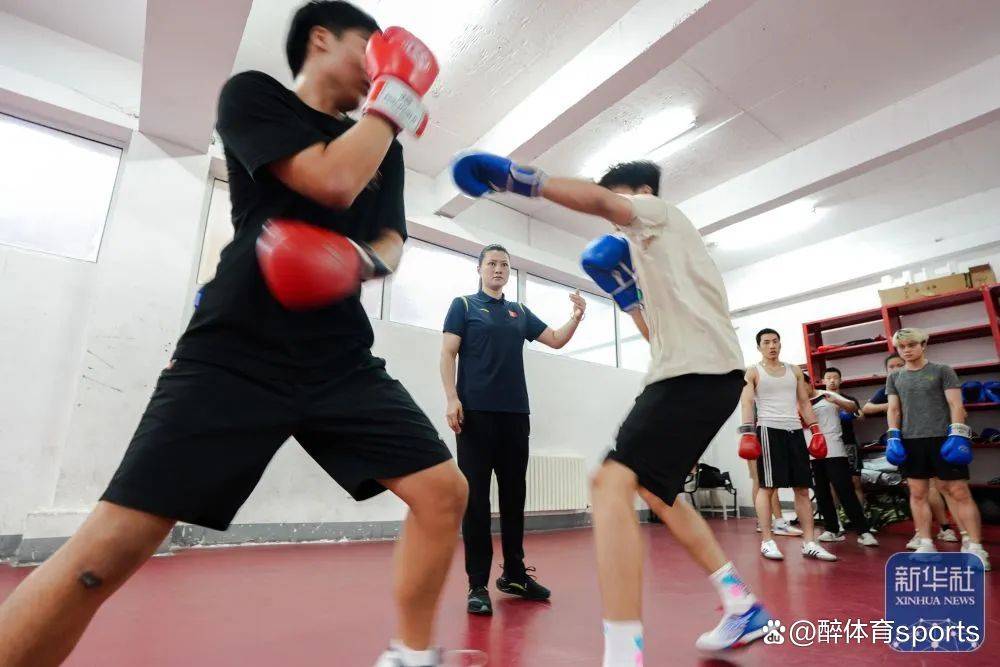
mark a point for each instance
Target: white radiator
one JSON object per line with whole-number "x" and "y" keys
{"x": 555, "y": 483}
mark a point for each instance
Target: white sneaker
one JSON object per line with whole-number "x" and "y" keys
{"x": 735, "y": 630}
{"x": 827, "y": 536}
{"x": 914, "y": 542}
{"x": 758, "y": 526}
{"x": 782, "y": 527}
{"x": 770, "y": 550}
{"x": 867, "y": 540}
{"x": 391, "y": 658}
{"x": 978, "y": 550}
{"x": 813, "y": 550}
{"x": 926, "y": 547}
{"x": 947, "y": 535}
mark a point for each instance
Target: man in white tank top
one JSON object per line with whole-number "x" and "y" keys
{"x": 775, "y": 439}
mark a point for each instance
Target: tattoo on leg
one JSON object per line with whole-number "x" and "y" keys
{"x": 90, "y": 580}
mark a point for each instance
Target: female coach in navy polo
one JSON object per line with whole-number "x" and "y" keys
{"x": 488, "y": 410}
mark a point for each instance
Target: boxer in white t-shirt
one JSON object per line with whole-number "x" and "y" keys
{"x": 659, "y": 272}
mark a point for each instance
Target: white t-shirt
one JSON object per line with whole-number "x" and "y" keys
{"x": 683, "y": 295}
{"x": 828, "y": 416}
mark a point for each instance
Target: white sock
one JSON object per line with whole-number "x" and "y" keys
{"x": 622, "y": 643}
{"x": 975, "y": 545}
{"x": 734, "y": 593}
{"x": 410, "y": 657}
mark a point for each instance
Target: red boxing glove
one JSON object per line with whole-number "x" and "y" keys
{"x": 749, "y": 442}
{"x": 401, "y": 69}
{"x": 817, "y": 445}
{"x": 306, "y": 266}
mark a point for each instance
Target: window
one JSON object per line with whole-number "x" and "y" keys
{"x": 55, "y": 189}
{"x": 219, "y": 232}
{"x": 594, "y": 339}
{"x": 428, "y": 278}
{"x": 635, "y": 349}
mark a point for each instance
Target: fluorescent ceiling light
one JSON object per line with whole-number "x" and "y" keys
{"x": 651, "y": 138}
{"x": 775, "y": 225}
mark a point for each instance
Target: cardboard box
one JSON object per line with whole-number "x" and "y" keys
{"x": 924, "y": 288}
{"x": 976, "y": 277}
{"x": 981, "y": 275}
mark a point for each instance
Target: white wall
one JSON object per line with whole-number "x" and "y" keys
{"x": 44, "y": 301}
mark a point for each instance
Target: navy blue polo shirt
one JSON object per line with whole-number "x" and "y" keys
{"x": 491, "y": 358}
{"x": 880, "y": 397}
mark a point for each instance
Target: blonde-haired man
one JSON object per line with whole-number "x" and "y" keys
{"x": 928, "y": 437}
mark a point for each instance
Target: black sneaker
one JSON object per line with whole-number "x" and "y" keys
{"x": 479, "y": 601}
{"x": 527, "y": 588}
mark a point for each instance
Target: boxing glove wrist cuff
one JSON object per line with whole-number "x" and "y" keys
{"x": 960, "y": 430}
{"x": 526, "y": 181}
{"x": 394, "y": 101}
{"x": 894, "y": 433}
{"x": 746, "y": 428}
{"x": 372, "y": 265}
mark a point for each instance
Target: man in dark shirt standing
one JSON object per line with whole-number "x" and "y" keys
{"x": 249, "y": 373}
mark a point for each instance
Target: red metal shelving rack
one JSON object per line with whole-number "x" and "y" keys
{"x": 890, "y": 316}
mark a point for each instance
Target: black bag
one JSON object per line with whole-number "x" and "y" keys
{"x": 710, "y": 477}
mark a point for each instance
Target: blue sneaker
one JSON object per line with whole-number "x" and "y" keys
{"x": 736, "y": 630}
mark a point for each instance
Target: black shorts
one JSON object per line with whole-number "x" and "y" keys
{"x": 209, "y": 432}
{"x": 923, "y": 461}
{"x": 854, "y": 458}
{"x": 784, "y": 459}
{"x": 671, "y": 425}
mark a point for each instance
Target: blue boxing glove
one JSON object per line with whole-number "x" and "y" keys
{"x": 606, "y": 259}
{"x": 972, "y": 392}
{"x": 957, "y": 449}
{"x": 895, "y": 453}
{"x": 991, "y": 392}
{"x": 475, "y": 174}
{"x": 846, "y": 416}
